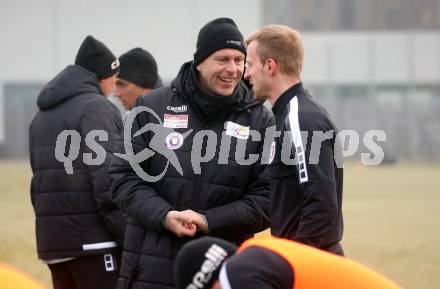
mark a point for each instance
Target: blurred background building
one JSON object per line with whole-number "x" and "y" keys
{"x": 375, "y": 65}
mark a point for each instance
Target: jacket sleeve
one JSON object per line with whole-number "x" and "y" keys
{"x": 319, "y": 193}
{"x": 250, "y": 214}
{"x": 103, "y": 116}
{"x": 135, "y": 196}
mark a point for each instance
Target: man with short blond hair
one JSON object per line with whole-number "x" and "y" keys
{"x": 307, "y": 181}
{"x": 281, "y": 43}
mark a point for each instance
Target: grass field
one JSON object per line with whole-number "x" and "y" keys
{"x": 392, "y": 221}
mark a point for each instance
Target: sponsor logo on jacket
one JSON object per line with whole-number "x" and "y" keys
{"x": 214, "y": 258}
{"x": 177, "y": 109}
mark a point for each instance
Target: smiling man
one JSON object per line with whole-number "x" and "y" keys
{"x": 221, "y": 198}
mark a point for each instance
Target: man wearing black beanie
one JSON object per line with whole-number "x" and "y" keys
{"x": 217, "y": 34}
{"x": 79, "y": 230}
{"x": 137, "y": 76}
{"x": 94, "y": 56}
{"x": 223, "y": 197}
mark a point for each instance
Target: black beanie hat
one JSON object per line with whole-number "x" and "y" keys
{"x": 139, "y": 67}
{"x": 94, "y": 56}
{"x": 208, "y": 253}
{"x": 218, "y": 34}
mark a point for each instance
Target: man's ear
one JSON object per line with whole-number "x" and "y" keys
{"x": 101, "y": 83}
{"x": 271, "y": 66}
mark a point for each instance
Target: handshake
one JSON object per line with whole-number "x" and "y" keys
{"x": 185, "y": 223}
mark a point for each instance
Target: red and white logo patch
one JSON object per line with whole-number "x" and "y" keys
{"x": 175, "y": 121}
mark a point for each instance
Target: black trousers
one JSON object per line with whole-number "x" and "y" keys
{"x": 88, "y": 272}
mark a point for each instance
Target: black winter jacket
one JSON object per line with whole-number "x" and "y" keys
{"x": 306, "y": 196}
{"x": 234, "y": 198}
{"x": 75, "y": 214}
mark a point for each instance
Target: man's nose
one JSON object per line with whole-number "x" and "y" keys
{"x": 231, "y": 67}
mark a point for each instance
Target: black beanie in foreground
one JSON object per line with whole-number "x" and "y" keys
{"x": 206, "y": 252}
{"x": 138, "y": 66}
{"x": 94, "y": 56}
{"x": 218, "y": 34}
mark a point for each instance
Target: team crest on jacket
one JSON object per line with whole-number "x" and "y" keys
{"x": 174, "y": 140}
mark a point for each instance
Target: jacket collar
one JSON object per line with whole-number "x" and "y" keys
{"x": 285, "y": 98}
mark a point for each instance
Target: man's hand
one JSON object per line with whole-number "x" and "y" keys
{"x": 180, "y": 224}
{"x": 197, "y": 219}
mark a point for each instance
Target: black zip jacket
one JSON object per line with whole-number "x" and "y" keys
{"x": 75, "y": 214}
{"x": 234, "y": 198}
{"x": 307, "y": 194}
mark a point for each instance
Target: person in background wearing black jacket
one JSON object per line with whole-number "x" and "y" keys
{"x": 137, "y": 76}
{"x": 306, "y": 189}
{"x": 174, "y": 199}
{"x": 79, "y": 230}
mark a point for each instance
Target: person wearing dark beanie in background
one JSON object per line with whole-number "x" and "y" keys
{"x": 137, "y": 75}
{"x": 79, "y": 230}
{"x": 269, "y": 263}
{"x": 223, "y": 196}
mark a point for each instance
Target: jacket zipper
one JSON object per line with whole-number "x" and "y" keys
{"x": 198, "y": 177}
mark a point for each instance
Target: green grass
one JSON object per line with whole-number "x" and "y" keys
{"x": 392, "y": 217}
{"x": 17, "y": 237}
{"x": 392, "y": 221}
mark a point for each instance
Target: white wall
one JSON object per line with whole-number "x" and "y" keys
{"x": 372, "y": 57}
{"x": 39, "y": 38}
{"x": 2, "y": 115}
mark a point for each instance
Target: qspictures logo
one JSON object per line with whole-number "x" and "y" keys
{"x": 165, "y": 140}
